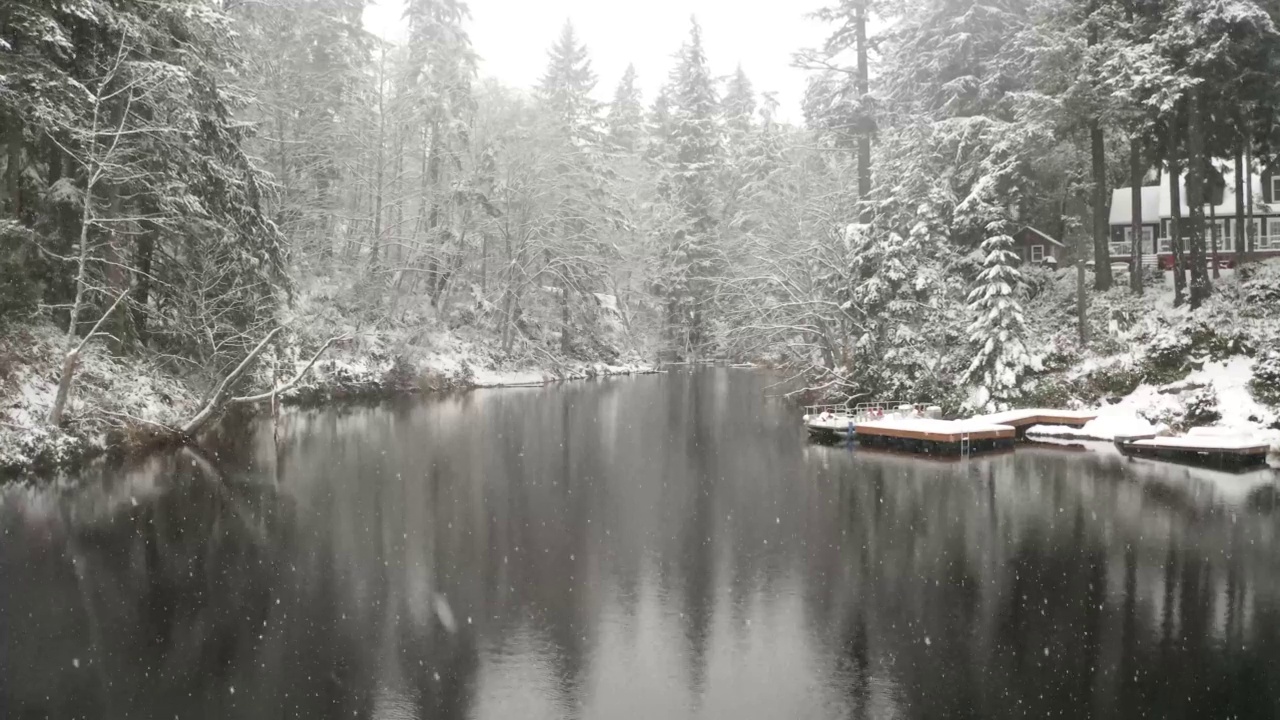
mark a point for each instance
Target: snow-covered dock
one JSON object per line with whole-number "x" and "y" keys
{"x": 1205, "y": 448}
{"x": 915, "y": 428}
{"x": 1021, "y": 420}
{"x": 936, "y": 437}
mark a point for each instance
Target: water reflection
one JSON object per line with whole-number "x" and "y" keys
{"x": 652, "y": 547}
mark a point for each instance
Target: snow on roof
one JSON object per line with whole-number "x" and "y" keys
{"x": 1045, "y": 235}
{"x": 1156, "y": 203}
{"x": 1122, "y": 207}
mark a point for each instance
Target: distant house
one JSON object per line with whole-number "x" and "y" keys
{"x": 1037, "y": 246}
{"x": 1224, "y": 225}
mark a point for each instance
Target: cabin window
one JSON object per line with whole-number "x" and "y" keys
{"x": 1219, "y": 233}
{"x": 1148, "y": 236}
{"x": 1275, "y": 187}
{"x": 1037, "y": 253}
{"x": 1270, "y": 239}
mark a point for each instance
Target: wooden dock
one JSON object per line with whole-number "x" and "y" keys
{"x": 1221, "y": 452}
{"x": 935, "y": 437}
{"x": 1021, "y": 420}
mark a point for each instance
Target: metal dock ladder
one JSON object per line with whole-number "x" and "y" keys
{"x": 965, "y": 447}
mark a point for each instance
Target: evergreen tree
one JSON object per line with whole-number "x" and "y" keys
{"x": 565, "y": 89}
{"x": 687, "y": 179}
{"x": 739, "y": 103}
{"x": 122, "y": 147}
{"x": 582, "y": 202}
{"x": 998, "y": 329}
{"x": 440, "y": 69}
{"x": 626, "y": 113}
{"x": 838, "y": 101}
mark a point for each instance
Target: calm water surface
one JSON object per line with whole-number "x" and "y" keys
{"x": 655, "y": 547}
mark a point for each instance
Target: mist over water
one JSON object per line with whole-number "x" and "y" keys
{"x": 664, "y": 546}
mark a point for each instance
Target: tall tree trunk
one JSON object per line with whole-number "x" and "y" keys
{"x": 1247, "y": 239}
{"x": 1237, "y": 223}
{"x": 143, "y": 255}
{"x": 1175, "y": 209}
{"x": 115, "y": 273}
{"x": 72, "y": 357}
{"x": 1135, "y": 218}
{"x": 13, "y": 166}
{"x": 1097, "y": 150}
{"x": 1195, "y": 199}
{"x": 1101, "y": 250}
{"x": 1082, "y": 304}
{"x": 864, "y": 137}
{"x": 1213, "y": 238}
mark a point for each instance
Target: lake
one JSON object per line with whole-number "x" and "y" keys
{"x": 661, "y": 546}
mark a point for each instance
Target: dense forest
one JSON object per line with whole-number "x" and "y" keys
{"x": 189, "y": 185}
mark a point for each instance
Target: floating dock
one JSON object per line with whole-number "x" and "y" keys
{"x": 936, "y": 437}
{"x": 1205, "y": 450}
{"x": 1022, "y": 420}
{"x": 907, "y": 427}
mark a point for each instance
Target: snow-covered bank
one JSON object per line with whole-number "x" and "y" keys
{"x": 1218, "y": 393}
{"x": 127, "y": 403}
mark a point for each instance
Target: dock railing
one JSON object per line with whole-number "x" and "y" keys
{"x": 864, "y": 411}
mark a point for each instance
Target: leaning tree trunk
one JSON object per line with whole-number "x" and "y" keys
{"x": 1135, "y": 219}
{"x": 1101, "y": 251}
{"x": 220, "y": 398}
{"x": 1195, "y": 199}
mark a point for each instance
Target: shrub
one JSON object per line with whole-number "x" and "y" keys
{"x": 1166, "y": 357}
{"x": 1202, "y": 407}
{"x": 1048, "y": 391}
{"x": 1265, "y": 385}
{"x": 1260, "y": 284}
{"x": 1112, "y": 381}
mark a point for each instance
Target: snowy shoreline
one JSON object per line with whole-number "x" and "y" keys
{"x": 120, "y": 409}
{"x": 1144, "y": 410}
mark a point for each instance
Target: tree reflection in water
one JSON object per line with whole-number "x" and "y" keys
{"x": 651, "y": 547}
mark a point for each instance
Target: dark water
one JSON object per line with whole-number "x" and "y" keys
{"x": 657, "y": 547}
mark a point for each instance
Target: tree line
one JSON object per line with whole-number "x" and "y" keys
{"x": 176, "y": 174}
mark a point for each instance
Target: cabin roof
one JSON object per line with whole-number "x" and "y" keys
{"x": 1122, "y": 206}
{"x": 1157, "y": 205}
{"x": 1044, "y": 235}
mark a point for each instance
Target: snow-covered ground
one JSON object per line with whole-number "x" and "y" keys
{"x": 1145, "y": 410}
{"x": 115, "y": 401}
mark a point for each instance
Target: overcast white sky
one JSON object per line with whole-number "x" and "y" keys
{"x": 512, "y": 38}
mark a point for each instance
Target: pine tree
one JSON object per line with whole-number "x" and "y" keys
{"x": 580, "y": 197}
{"x": 688, "y": 174}
{"x": 626, "y": 114}
{"x": 997, "y": 329}
{"x": 739, "y": 103}
{"x": 565, "y": 90}
{"x": 440, "y": 69}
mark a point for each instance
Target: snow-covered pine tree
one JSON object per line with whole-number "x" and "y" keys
{"x": 626, "y": 114}
{"x": 997, "y": 330}
{"x": 581, "y": 202}
{"x": 564, "y": 94}
{"x": 688, "y": 166}
{"x": 739, "y": 102}
{"x": 439, "y": 73}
